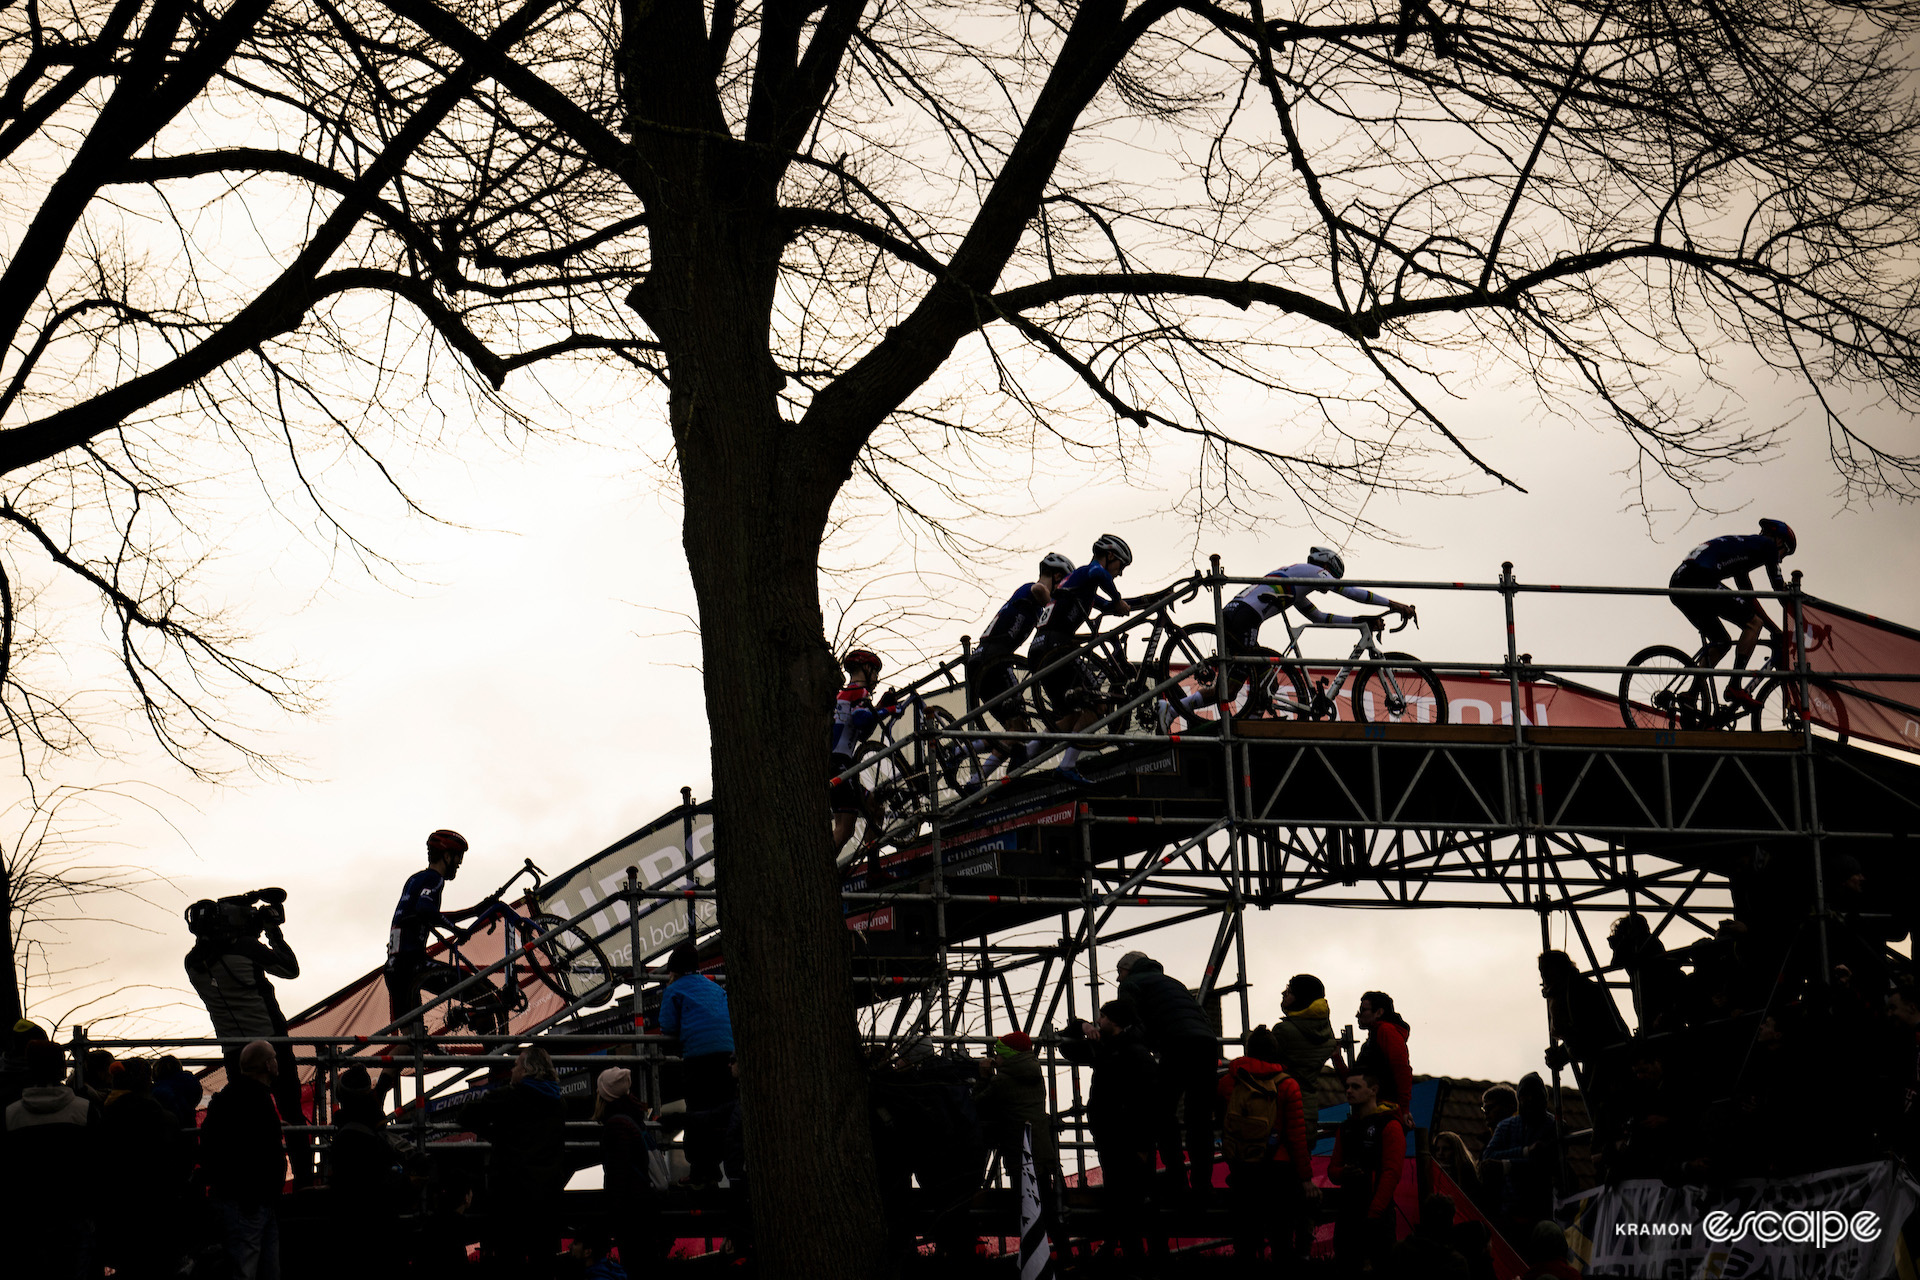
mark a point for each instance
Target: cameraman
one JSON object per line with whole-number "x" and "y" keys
{"x": 229, "y": 966}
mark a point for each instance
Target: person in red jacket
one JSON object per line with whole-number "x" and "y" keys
{"x": 1368, "y": 1154}
{"x": 1385, "y": 1052}
{"x": 1264, "y": 1146}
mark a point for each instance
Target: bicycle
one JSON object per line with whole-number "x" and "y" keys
{"x": 565, "y": 961}
{"x": 1655, "y": 694}
{"x": 1111, "y": 677}
{"x": 1279, "y": 685}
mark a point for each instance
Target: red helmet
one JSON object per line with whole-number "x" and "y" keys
{"x": 861, "y": 658}
{"x": 445, "y": 841}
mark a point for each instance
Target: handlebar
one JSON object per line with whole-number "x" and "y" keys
{"x": 499, "y": 895}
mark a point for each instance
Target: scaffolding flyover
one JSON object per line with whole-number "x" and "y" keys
{"x": 973, "y": 914}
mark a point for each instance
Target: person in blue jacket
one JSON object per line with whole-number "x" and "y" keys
{"x": 694, "y": 1008}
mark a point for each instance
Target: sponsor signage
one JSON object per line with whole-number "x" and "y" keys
{"x": 662, "y": 851}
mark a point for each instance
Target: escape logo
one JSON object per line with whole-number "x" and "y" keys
{"x": 1767, "y": 1226}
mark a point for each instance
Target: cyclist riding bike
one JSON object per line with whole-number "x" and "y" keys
{"x": 854, "y": 718}
{"x": 990, "y": 672}
{"x": 1070, "y": 687}
{"x": 1285, "y": 588}
{"x": 1710, "y": 564}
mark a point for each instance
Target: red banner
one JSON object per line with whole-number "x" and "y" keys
{"x": 1883, "y": 711}
{"x": 1482, "y": 699}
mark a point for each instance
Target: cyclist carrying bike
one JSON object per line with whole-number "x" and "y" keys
{"x": 1070, "y": 687}
{"x": 1283, "y": 588}
{"x": 418, "y": 913}
{"x": 1710, "y": 564}
{"x": 990, "y": 672}
{"x": 854, "y": 717}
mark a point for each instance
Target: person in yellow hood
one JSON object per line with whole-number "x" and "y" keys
{"x": 1305, "y": 1032}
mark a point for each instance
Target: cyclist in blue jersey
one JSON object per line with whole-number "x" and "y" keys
{"x": 1291, "y": 587}
{"x": 990, "y": 672}
{"x": 1069, "y": 688}
{"x": 418, "y": 913}
{"x": 1710, "y": 564}
{"x": 854, "y": 717}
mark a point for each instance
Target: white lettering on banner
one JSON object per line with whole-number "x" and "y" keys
{"x": 1813, "y": 1227}
{"x": 1458, "y": 707}
{"x": 659, "y": 867}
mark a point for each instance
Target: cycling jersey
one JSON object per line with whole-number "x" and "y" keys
{"x": 1073, "y": 601}
{"x": 1267, "y": 599}
{"x": 853, "y": 719}
{"x": 1735, "y": 555}
{"x": 1012, "y": 625}
{"x": 418, "y": 911}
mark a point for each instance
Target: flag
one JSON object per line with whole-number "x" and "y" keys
{"x": 1036, "y": 1250}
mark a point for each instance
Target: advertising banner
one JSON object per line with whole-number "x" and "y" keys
{"x": 663, "y": 851}
{"x": 1840, "y": 1222}
{"x": 1882, "y": 711}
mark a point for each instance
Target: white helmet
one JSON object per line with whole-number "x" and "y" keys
{"x": 1329, "y": 559}
{"x": 1110, "y": 544}
{"x": 1055, "y": 563}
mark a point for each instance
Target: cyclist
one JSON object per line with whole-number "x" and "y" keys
{"x": 418, "y": 913}
{"x": 1069, "y": 688}
{"x": 1710, "y": 564}
{"x": 854, "y": 717}
{"x": 1283, "y": 588}
{"x": 990, "y": 672}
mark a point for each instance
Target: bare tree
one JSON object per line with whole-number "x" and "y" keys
{"x": 866, "y": 245}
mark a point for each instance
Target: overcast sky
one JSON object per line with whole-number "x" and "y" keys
{"x": 536, "y": 690}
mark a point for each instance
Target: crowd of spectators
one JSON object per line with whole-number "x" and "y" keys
{"x": 1728, "y": 1029}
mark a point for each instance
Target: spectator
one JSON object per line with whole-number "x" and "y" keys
{"x": 590, "y": 1257}
{"x": 369, "y": 1182}
{"x": 626, "y": 1158}
{"x": 49, "y": 1171}
{"x": 1305, "y": 1036}
{"x": 694, "y": 1008}
{"x": 178, "y": 1090}
{"x": 1903, "y": 1016}
{"x": 1182, "y": 1040}
{"x": 1544, "y": 1250}
{"x": 1581, "y": 1015}
{"x": 143, "y": 1146}
{"x": 1385, "y": 1052}
{"x": 1263, "y": 1143}
{"x": 1368, "y": 1154}
{"x": 244, "y": 1158}
{"x": 1659, "y": 983}
{"x": 96, "y": 1081}
{"x": 1649, "y": 1145}
{"x": 231, "y": 970}
{"x": 13, "y": 1060}
{"x": 1120, "y": 1102}
{"x": 946, "y": 1148}
{"x": 1475, "y": 1244}
{"x": 527, "y": 1168}
{"x": 1430, "y": 1251}
{"x": 1483, "y": 1186}
{"x": 1013, "y": 1100}
{"x": 1522, "y": 1152}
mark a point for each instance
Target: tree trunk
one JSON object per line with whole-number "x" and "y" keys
{"x": 756, "y": 509}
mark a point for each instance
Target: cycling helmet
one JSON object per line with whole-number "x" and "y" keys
{"x": 445, "y": 841}
{"x": 1329, "y": 559}
{"x": 1054, "y": 562}
{"x": 861, "y": 658}
{"x": 1782, "y": 530}
{"x": 1109, "y": 544}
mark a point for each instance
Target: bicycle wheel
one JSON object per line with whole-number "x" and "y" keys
{"x": 1829, "y": 709}
{"x": 1653, "y": 696}
{"x": 570, "y": 963}
{"x": 1399, "y": 695}
{"x": 1269, "y": 690}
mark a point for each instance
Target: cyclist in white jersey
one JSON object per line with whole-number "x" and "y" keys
{"x": 1292, "y": 587}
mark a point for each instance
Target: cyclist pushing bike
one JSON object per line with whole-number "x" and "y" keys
{"x": 854, "y": 718}
{"x": 1069, "y": 688}
{"x": 1709, "y": 565}
{"x": 418, "y": 913}
{"x": 1290, "y": 587}
{"x": 990, "y": 673}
